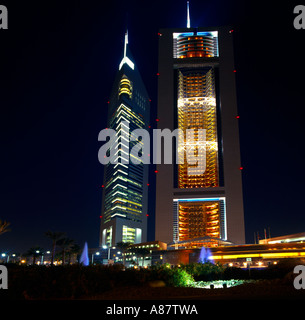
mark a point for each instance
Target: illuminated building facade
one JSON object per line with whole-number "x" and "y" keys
{"x": 124, "y": 207}
{"x": 250, "y": 255}
{"x": 196, "y": 90}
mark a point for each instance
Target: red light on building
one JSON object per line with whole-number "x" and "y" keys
{"x": 101, "y": 217}
{"x": 103, "y": 186}
{"x": 234, "y": 71}
{"x": 147, "y": 184}
{"x": 159, "y": 34}
{"x": 147, "y": 215}
{"x": 156, "y": 171}
{"x": 240, "y": 168}
{"x": 231, "y": 31}
{"x": 237, "y": 117}
{"x": 157, "y": 119}
{"x": 158, "y": 74}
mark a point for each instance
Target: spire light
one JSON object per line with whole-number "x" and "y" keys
{"x": 125, "y": 58}
{"x": 188, "y": 25}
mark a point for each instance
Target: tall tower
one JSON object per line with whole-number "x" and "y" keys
{"x": 124, "y": 206}
{"x": 196, "y": 90}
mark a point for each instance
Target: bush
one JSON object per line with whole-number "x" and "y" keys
{"x": 204, "y": 271}
{"x": 173, "y": 277}
{"x": 41, "y": 282}
{"x": 74, "y": 281}
{"x": 179, "y": 278}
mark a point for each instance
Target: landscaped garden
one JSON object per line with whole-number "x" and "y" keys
{"x": 99, "y": 281}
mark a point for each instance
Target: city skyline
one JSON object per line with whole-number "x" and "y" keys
{"x": 55, "y": 88}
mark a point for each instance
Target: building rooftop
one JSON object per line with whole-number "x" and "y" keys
{"x": 296, "y": 237}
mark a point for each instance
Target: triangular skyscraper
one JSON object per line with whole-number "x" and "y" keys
{"x": 125, "y": 186}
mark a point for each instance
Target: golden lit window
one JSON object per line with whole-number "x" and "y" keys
{"x": 125, "y": 87}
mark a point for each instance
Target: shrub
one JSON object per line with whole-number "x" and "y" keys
{"x": 173, "y": 277}
{"x": 179, "y": 278}
{"x": 204, "y": 271}
{"x": 74, "y": 281}
{"x": 41, "y": 282}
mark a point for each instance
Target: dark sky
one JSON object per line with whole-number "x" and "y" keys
{"x": 58, "y": 60}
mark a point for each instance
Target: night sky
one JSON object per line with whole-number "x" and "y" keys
{"x": 58, "y": 60}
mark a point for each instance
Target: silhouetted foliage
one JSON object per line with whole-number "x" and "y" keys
{"x": 76, "y": 281}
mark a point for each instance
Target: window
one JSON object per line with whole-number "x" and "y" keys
{"x": 129, "y": 234}
{"x": 125, "y": 87}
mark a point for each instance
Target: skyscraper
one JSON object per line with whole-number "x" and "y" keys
{"x": 124, "y": 206}
{"x": 196, "y": 90}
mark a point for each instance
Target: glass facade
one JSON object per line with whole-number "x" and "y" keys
{"x": 125, "y": 87}
{"x": 124, "y": 208}
{"x": 197, "y": 110}
{"x": 195, "y": 45}
{"x": 197, "y": 218}
{"x": 129, "y": 234}
{"x": 108, "y": 232}
{"x": 124, "y": 183}
{"x": 200, "y": 174}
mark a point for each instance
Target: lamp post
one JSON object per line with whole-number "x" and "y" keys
{"x": 92, "y": 258}
{"x": 38, "y": 252}
{"x": 3, "y": 255}
{"x": 48, "y": 256}
{"x": 97, "y": 253}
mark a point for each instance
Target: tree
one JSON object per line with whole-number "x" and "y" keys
{"x": 140, "y": 252}
{"x": 4, "y": 226}
{"x": 34, "y": 252}
{"x": 65, "y": 244}
{"x": 55, "y": 237}
{"x": 124, "y": 247}
{"x": 75, "y": 249}
{"x": 143, "y": 253}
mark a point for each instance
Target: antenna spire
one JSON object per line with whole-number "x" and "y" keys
{"x": 188, "y": 24}
{"x": 125, "y": 58}
{"x": 125, "y": 42}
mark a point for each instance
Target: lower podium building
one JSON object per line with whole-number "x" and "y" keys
{"x": 267, "y": 252}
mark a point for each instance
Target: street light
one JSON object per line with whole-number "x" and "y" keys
{"x": 96, "y": 253}
{"x": 6, "y": 255}
{"x": 3, "y": 255}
